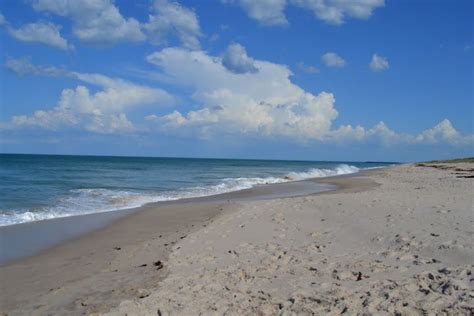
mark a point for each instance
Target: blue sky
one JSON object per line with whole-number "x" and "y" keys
{"x": 283, "y": 79}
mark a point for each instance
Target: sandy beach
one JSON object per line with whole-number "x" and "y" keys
{"x": 391, "y": 241}
{"x": 236, "y": 157}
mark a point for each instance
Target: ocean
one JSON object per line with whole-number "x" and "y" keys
{"x": 39, "y": 187}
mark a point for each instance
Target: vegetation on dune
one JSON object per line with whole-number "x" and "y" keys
{"x": 457, "y": 160}
{"x": 459, "y": 171}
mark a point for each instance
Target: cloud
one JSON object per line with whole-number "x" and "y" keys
{"x": 100, "y": 22}
{"x": 236, "y": 60}
{"x": 336, "y": 11}
{"x": 378, "y": 63}
{"x": 62, "y": 116}
{"x": 380, "y": 132}
{"x": 264, "y": 103}
{"x": 172, "y": 18}
{"x": 96, "y": 21}
{"x": 117, "y": 94}
{"x": 442, "y": 133}
{"x": 102, "y": 112}
{"x": 272, "y": 12}
{"x": 267, "y": 104}
{"x": 40, "y": 32}
{"x": 23, "y": 66}
{"x": 120, "y": 95}
{"x": 333, "y": 60}
{"x": 307, "y": 68}
{"x": 267, "y": 12}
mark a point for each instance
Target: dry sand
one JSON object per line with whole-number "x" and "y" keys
{"x": 95, "y": 272}
{"x": 397, "y": 240}
{"x": 403, "y": 247}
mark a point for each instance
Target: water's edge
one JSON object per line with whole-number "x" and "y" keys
{"x": 22, "y": 240}
{"x": 35, "y": 187}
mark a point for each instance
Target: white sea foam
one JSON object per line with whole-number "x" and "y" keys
{"x": 89, "y": 201}
{"x": 319, "y": 173}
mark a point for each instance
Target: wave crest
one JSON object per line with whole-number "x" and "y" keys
{"x": 320, "y": 173}
{"x": 99, "y": 200}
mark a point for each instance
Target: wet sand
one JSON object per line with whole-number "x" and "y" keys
{"x": 92, "y": 262}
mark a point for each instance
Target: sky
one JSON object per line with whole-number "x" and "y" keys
{"x": 359, "y": 80}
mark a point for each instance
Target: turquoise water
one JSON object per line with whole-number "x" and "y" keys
{"x": 38, "y": 187}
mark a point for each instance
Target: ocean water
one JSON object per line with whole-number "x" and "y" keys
{"x": 39, "y": 187}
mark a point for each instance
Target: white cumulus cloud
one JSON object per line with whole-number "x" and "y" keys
{"x": 120, "y": 95}
{"x": 101, "y": 22}
{"x": 378, "y": 63}
{"x": 94, "y": 21}
{"x": 333, "y": 60}
{"x": 336, "y": 11}
{"x": 380, "y": 132}
{"x": 261, "y": 103}
{"x": 267, "y": 12}
{"x": 267, "y": 104}
{"x": 40, "y": 32}
{"x": 171, "y": 18}
{"x": 236, "y": 60}
{"x": 442, "y": 133}
{"x": 272, "y": 12}
{"x": 104, "y": 111}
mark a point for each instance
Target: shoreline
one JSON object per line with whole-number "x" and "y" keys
{"x": 403, "y": 247}
{"x": 103, "y": 252}
{"x": 103, "y": 200}
{"x": 19, "y": 241}
{"x": 387, "y": 241}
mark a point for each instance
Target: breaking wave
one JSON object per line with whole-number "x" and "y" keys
{"x": 98, "y": 200}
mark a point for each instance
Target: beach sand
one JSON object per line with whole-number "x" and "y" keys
{"x": 395, "y": 240}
